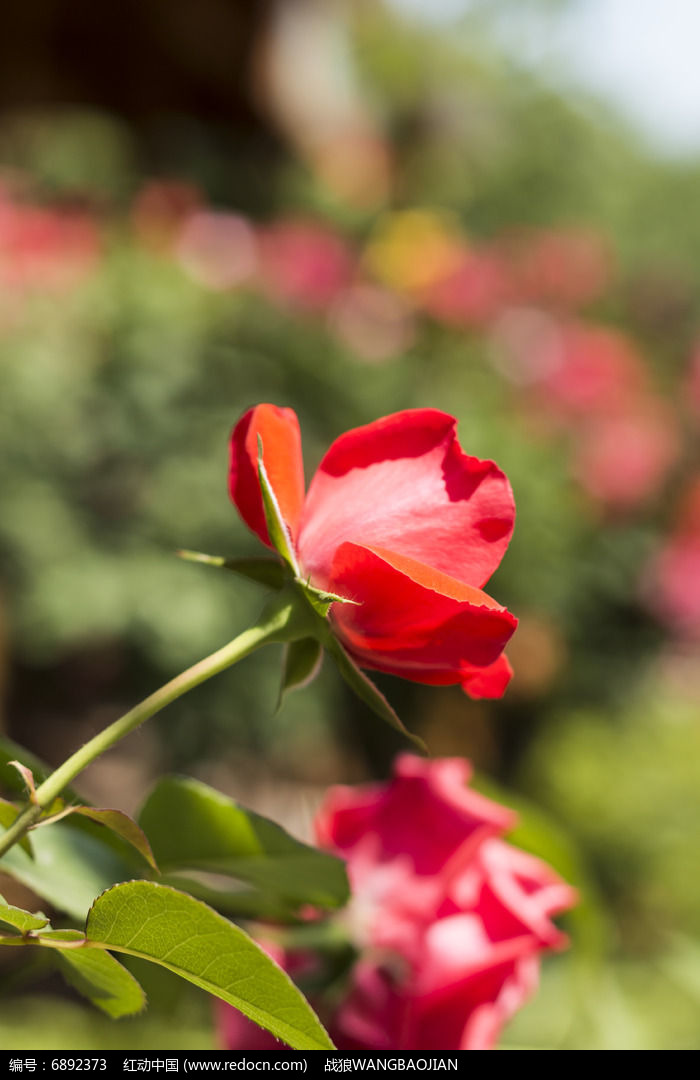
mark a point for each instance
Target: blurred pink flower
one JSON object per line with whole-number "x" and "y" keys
{"x": 452, "y": 917}
{"x": 693, "y": 382}
{"x": 473, "y": 291}
{"x": 449, "y": 920}
{"x": 591, "y": 382}
{"x": 671, "y": 584}
{"x": 43, "y": 248}
{"x": 675, "y": 585}
{"x": 623, "y": 459}
{"x": 218, "y": 249}
{"x": 526, "y": 345}
{"x": 303, "y": 263}
{"x": 565, "y": 267}
{"x": 374, "y": 323}
{"x": 159, "y": 209}
{"x": 589, "y": 369}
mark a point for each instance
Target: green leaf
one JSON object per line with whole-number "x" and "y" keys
{"x": 21, "y": 920}
{"x": 367, "y": 691}
{"x": 118, "y": 822}
{"x": 70, "y": 866}
{"x": 276, "y": 526}
{"x": 191, "y": 825}
{"x": 8, "y": 813}
{"x": 93, "y": 972}
{"x": 158, "y": 923}
{"x": 302, "y": 661}
{"x": 98, "y": 976}
{"x": 240, "y": 903}
{"x": 268, "y": 572}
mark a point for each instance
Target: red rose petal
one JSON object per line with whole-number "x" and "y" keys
{"x": 281, "y": 439}
{"x": 404, "y": 483}
{"x": 487, "y": 682}
{"x": 412, "y": 620}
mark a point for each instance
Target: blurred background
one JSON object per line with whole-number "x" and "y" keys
{"x": 352, "y": 208}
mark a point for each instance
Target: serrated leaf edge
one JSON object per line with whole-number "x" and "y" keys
{"x": 91, "y": 943}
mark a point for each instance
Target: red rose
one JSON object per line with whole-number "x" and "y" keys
{"x": 448, "y": 919}
{"x": 400, "y": 520}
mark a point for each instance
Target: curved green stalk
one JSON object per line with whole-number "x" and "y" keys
{"x": 277, "y": 623}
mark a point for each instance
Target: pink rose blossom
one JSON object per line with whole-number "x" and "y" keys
{"x": 217, "y": 248}
{"x": 449, "y": 920}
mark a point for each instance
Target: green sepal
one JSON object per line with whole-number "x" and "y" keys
{"x": 276, "y": 527}
{"x": 320, "y": 599}
{"x": 268, "y": 572}
{"x": 302, "y": 662}
{"x": 367, "y": 691}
